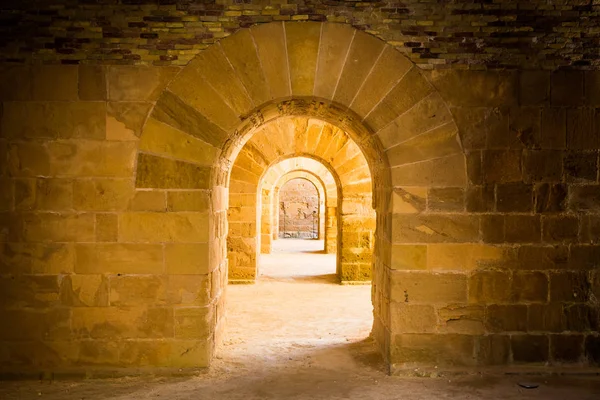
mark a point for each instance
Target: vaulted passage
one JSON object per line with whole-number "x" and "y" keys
{"x": 132, "y": 198}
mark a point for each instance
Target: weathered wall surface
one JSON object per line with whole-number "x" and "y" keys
{"x": 299, "y": 208}
{"x": 95, "y": 273}
{"x": 113, "y": 226}
{"x": 509, "y": 270}
{"x": 436, "y": 34}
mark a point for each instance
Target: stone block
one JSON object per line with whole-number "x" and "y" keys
{"x": 488, "y": 287}
{"x": 31, "y": 324}
{"x": 590, "y": 229}
{"x": 425, "y": 287}
{"x": 125, "y": 120}
{"x": 584, "y": 198}
{"x": 24, "y": 194}
{"x": 432, "y": 349}
{"x": 54, "y": 120}
{"x": 529, "y": 348}
{"x": 194, "y": 322}
{"x": 493, "y": 349}
{"x": 581, "y": 132}
{"x": 16, "y": 82}
{"x": 560, "y": 229}
{"x": 119, "y": 258}
{"x": 188, "y": 201}
{"x": 407, "y": 318}
{"x": 55, "y": 82}
{"x": 581, "y": 318}
{"x": 567, "y": 88}
{"x": 525, "y": 126}
{"x": 162, "y": 139}
{"x": 92, "y": 82}
{"x": 406, "y": 257}
{"x": 532, "y": 257}
{"x": 553, "y": 134}
{"x": 302, "y": 44}
{"x": 163, "y": 173}
{"x": 107, "y": 227}
{"x": 67, "y": 227}
{"x": 580, "y": 166}
{"x": 104, "y": 353}
{"x": 241, "y": 53}
{"x": 475, "y": 172}
{"x": 592, "y": 349}
{"x": 36, "y": 258}
{"x": 335, "y": 42}
{"x": 214, "y": 67}
{"x": 79, "y": 158}
{"x": 124, "y": 323}
{"x": 534, "y": 87}
{"x": 445, "y": 171}
{"x": 476, "y": 124}
{"x": 446, "y": 199}
{"x": 6, "y": 194}
{"x": 501, "y": 166}
{"x": 270, "y": 46}
{"x": 545, "y": 318}
{"x": 492, "y": 228}
{"x": 84, "y": 291}
{"x": 189, "y": 290}
{"x": 550, "y": 198}
{"x": 174, "y": 112}
{"x": 190, "y": 353}
{"x": 411, "y": 89}
{"x": 53, "y": 194}
{"x": 408, "y": 200}
{"x": 584, "y": 257}
{"x": 143, "y": 353}
{"x": 137, "y": 83}
{"x": 514, "y": 197}
{"x": 480, "y": 199}
{"x": 365, "y": 52}
{"x": 566, "y": 348}
{"x": 389, "y": 69}
{"x": 184, "y": 259}
{"x": 529, "y": 287}
{"x": 522, "y": 228}
{"x": 35, "y": 291}
{"x": 102, "y": 194}
{"x": 542, "y": 166}
{"x": 135, "y": 290}
{"x": 476, "y": 88}
{"x": 467, "y": 256}
{"x": 506, "y": 318}
{"x": 461, "y": 319}
{"x": 434, "y": 228}
{"x": 149, "y": 200}
{"x": 569, "y": 286}
{"x": 190, "y": 227}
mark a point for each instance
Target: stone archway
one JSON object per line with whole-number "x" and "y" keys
{"x": 322, "y": 179}
{"x": 369, "y": 91}
{"x": 325, "y": 144}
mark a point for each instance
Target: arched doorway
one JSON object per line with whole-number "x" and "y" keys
{"x": 369, "y": 91}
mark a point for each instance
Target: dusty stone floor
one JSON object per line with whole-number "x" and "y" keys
{"x": 298, "y": 335}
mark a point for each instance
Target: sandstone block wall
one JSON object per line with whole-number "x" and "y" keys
{"x": 116, "y": 196}
{"x": 96, "y": 273}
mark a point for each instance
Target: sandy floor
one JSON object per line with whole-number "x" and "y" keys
{"x": 298, "y": 335}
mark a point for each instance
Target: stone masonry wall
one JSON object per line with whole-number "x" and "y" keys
{"x": 435, "y": 34}
{"x": 516, "y": 253}
{"x": 491, "y": 256}
{"x": 299, "y": 200}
